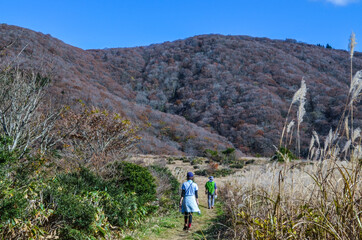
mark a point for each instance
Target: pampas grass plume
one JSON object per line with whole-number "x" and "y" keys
{"x": 352, "y": 44}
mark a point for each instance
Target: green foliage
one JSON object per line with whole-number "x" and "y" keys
{"x": 196, "y": 161}
{"x": 75, "y": 210}
{"x": 83, "y": 202}
{"x": 168, "y": 195}
{"x": 35, "y": 202}
{"x": 79, "y": 195}
{"x": 133, "y": 178}
{"x": 6, "y": 156}
{"x": 283, "y": 154}
{"x": 170, "y": 160}
{"x": 237, "y": 165}
{"x": 216, "y": 173}
{"x": 12, "y": 203}
{"x": 228, "y": 151}
{"x": 209, "y": 152}
{"x": 225, "y": 157}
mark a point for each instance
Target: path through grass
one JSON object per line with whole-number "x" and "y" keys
{"x": 171, "y": 225}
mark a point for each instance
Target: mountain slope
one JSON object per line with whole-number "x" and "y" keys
{"x": 237, "y": 86}
{"x": 76, "y": 74}
{"x": 202, "y": 92}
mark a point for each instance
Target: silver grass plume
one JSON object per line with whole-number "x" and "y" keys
{"x": 312, "y": 151}
{"x": 311, "y": 148}
{"x": 300, "y": 94}
{"x": 357, "y": 154}
{"x": 352, "y": 44}
{"x": 346, "y": 146}
{"x": 315, "y": 134}
{"x": 290, "y": 125}
{"x": 335, "y": 152}
{"x": 301, "y": 111}
{"x": 356, "y": 134}
{"x": 328, "y": 140}
{"x": 346, "y": 127}
{"x": 317, "y": 154}
{"x": 356, "y": 86}
{"x": 335, "y": 137}
{"x": 312, "y": 140}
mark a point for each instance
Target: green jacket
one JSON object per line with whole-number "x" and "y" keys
{"x": 210, "y": 187}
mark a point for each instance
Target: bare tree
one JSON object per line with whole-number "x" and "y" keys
{"x": 96, "y": 135}
{"x": 21, "y": 96}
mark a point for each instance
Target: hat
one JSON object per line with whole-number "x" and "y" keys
{"x": 211, "y": 178}
{"x": 190, "y": 174}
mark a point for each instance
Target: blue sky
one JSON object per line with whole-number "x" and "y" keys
{"x": 91, "y": 24}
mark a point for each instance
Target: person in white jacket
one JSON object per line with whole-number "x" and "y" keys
{"x": 189, "y": 202}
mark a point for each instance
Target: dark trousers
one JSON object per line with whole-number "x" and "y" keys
{"x": 188, "y": 216}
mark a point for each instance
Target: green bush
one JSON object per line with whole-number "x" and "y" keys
{"x": 76, "y": 211}
{"x": 82, "y": 198}
{"x": 228, "y": 151}
{"x": 213, "y": 155}
{"x": 133, "y": 178}
{"x": 201, "y": 172}
{"x": 196, "y": 161}
{"x": 216, "y": 173}
{"x": 170, "y": 160}
{"x": 225, "y": 157}
{"x": 237, "y": 165}
{"x": 77, "y": 205}
{"x": 282, "y": 154}
{"x": 12, "y": 203}
{"x": 247, "y": 162}
{"x": 6, "y": 156}
{"x": 168, "y": 196}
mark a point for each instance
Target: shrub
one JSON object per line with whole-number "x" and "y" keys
{"x": 87, "y": 203}
{"x": 282, "y": 155}
{"x": 167, "y": 187}
{"x": 213, "y": 155}
{"x": 249, "y": 162}
{"x": 75, "y": 210}
{"x": 132, "y": 178}
{"x": 196, "y": 161}
{"x": 7, "y": 156}
{"x": 237, "y": 165}
{"x": 170, "y": 160}
{"x": 96, "y": 134}
{"x": 225, "y": 157}
{"x": 217, "y": 173}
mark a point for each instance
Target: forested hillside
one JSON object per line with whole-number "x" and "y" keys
{"x": 208, "y": 91}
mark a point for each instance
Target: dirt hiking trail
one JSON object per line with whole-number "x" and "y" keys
{"x": 171, "y": 226}
{"x": 199, "y": 222}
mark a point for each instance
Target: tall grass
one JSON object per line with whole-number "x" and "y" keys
{"x": 296, "y": 201}
{"x": 320, "y": 199}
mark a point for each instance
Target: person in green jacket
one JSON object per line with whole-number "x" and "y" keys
{"x": 211, "y": 191}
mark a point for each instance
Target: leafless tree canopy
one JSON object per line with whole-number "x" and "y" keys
{"x": 21, "y": 96}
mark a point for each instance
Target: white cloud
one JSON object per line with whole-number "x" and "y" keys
{"x": 342, "y": 2}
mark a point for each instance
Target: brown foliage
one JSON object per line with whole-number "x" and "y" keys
{"x": 97, "y": 136}
{"x": 235, "y": 85}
